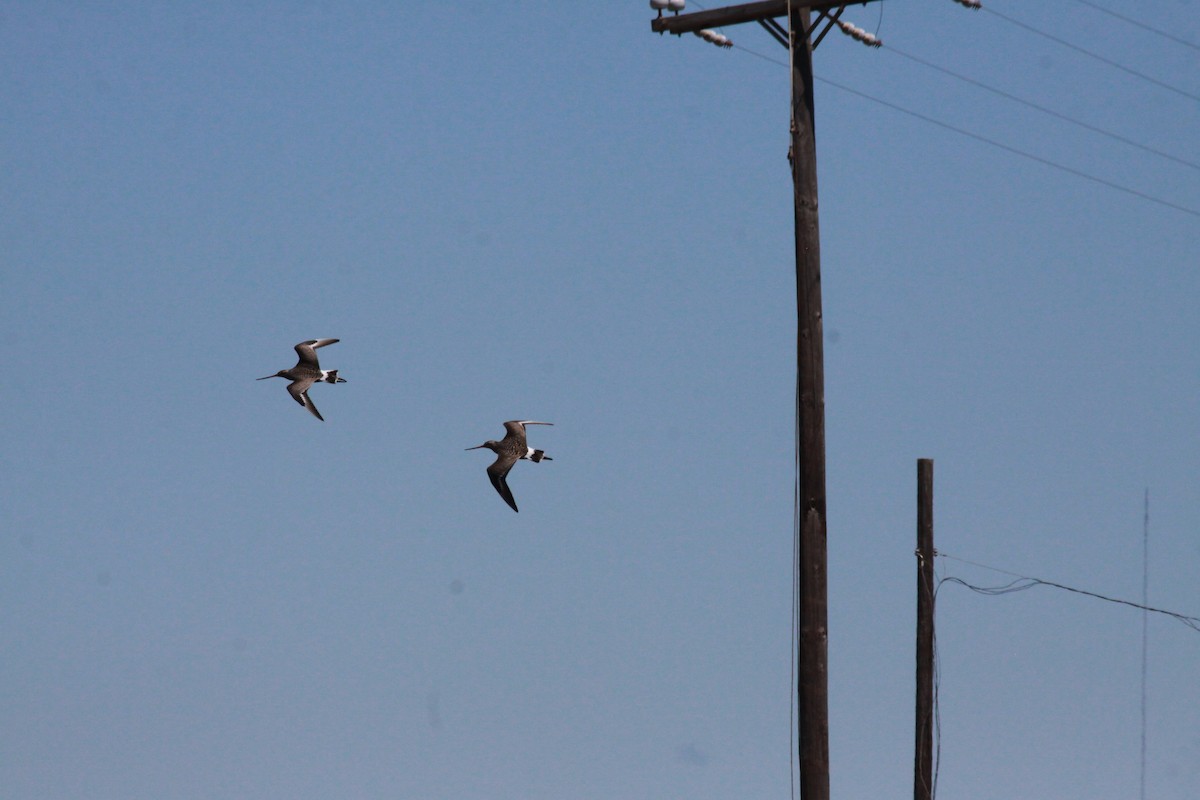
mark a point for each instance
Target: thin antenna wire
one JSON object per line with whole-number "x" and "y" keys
{"x": 1139, "y": 24}
{"x": 1090, "y": 54}
{"x": 1145, "y": 618}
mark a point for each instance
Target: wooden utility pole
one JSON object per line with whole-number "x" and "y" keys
{"x": 923, "y": 758}
{"x": 812, "y": 681}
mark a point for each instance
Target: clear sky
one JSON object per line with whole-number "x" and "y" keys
{"x": 544, "y": 211}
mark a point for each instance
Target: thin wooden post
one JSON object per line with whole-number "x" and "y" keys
{"x": 923, "y": 760}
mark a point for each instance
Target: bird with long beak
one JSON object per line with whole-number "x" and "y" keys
{"x": 509, "y": 450}
{"x": 307, "y": 372}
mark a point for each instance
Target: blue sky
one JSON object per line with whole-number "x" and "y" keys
{"x": 543, "y": 211}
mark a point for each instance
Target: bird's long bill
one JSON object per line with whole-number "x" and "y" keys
{"x": 476, "y": 447}
{"x": 264, "y": 377}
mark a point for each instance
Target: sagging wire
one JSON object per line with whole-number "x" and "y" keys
{"x": 1021, "y": 583}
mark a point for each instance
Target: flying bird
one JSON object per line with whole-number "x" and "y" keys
{"x": 307, "y": 372}
{"x": 509, "y": 450}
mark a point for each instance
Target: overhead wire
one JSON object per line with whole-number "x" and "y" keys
{"x": 1043, "y": 109}
{"x": 1096, "y": 56}
{"x": 1016, "y": 151}
{"x": 1021, "y": 583}
{"x": 1137, "y": 23}
{"x": 986, "y": 140}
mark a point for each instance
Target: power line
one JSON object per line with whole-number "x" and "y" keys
{"x": 1023, "y": 582}
{"x": 1139, "y": 24}
{"x": 1043, "y": 109}
{"x": 1090, "y": 54}
{"x": 980, "y": 138}
{"x": 1015, "y": 151}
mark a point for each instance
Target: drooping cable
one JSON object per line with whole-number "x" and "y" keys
{"x": 1022, "y": 582}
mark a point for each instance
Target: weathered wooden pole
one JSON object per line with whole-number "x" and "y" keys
{"x": 812, "y": 681}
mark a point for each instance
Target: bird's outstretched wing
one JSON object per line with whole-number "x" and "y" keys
{"x": 299, "y": 392}
{"x": 514, "y": 429}
{"x": 498, "y": 473}
{"x": 308, "y": 351}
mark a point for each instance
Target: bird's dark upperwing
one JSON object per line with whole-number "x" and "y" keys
{"x": 516, "y": 427}
{"x": 299, "y": 392}
{"x": 308, "y": 351}
{"x": 514, "y": 431}
{"x": 498, "y": 472}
